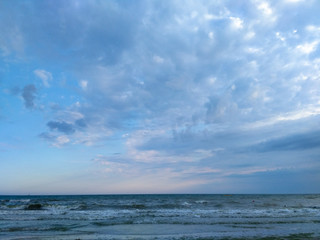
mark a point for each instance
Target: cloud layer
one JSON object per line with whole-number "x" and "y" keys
{"x": 202, "y": 92}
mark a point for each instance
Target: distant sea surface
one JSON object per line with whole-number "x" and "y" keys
{"x": 160, "y": 217}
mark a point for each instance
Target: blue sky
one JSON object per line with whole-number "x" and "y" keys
{"x": 159, "y": 96}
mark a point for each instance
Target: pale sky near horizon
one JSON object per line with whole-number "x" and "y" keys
{"x": 153, "y": 96}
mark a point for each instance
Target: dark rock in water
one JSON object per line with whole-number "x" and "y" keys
{"x": 36, "y": 206}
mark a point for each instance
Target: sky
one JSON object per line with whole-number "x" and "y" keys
{"x": 151, "y": 96}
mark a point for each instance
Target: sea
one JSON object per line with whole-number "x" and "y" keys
{"x": 182, "y": 216}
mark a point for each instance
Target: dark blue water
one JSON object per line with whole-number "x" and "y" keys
{"x": 160, "y": 217}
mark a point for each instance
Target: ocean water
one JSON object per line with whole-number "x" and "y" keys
{"x": 160, "y": 217}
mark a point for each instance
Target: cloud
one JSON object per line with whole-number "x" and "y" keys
{"x": 307, "y": 112}
{"x": 162, "y": 80}
{"x": 236, "y": 23}
{"x": 265, "y": 8}
{"x": 55, "y": 140}
{"x": 28, "y": 95}
{"x": 294, "y": 1}
{"x": 296, "y": 142}
{"x": 179, "y": 88}
{"x": 83, "y": 84}
{"x": 61, "y": 126}
{"x": 45, "y": 76}
{"x": 308, "y": 48}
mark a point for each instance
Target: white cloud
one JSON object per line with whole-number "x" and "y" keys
{"x": 158, "y": 59}
{"x": 265, "y": 8}
{"x": 254, "y": 170}
{"x": 268, "y": 13}
{"x": 211, "y": 17}
{"x": 211, "y": 35}
{"x": 313, "y": 30}
{"x": 62, "y": 140}
{"x": 236, "y": 23}
{"x": 261, "y": 94}
{"x": 279, "y": 36}
{"x": 254, "y": 50}
{"x": 44, "y": 75}
{"x": 290, "y": 116}
{"x": 83, "y": 84}
{"x": 211, "y": 80}
{"x": 194, "y": 14}
{"x": 294, "y": 1}
{"x": 308, "y": 48}
{"x": 250, "y": 35}
{"x": 140, "y": 138}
